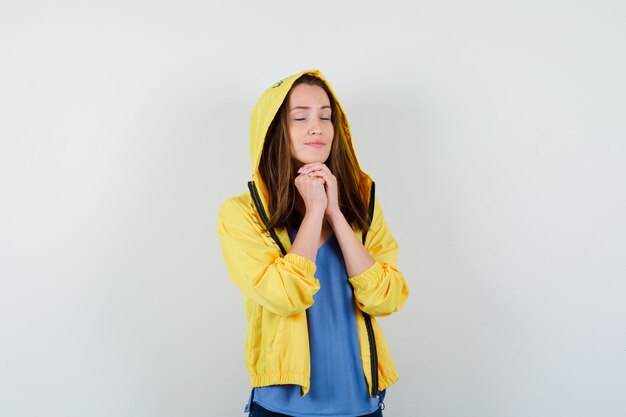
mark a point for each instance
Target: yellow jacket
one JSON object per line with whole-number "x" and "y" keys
{"x": 278, "y": 289}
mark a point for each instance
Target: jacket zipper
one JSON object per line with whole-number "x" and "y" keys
{"x": 373, "y": 354}
{"x": 368, "y": 320}
{"x": 259, "y": 206}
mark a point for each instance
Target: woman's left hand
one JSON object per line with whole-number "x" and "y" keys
{"x": 319, "y": 169}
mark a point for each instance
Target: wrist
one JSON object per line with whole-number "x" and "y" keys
{"x": 314, "y": 213}
{"x": 334, "y": 216}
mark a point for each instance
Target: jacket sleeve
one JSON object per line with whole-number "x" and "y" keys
{"x": 381, "y": 289}
{"x": 284, "y": 285}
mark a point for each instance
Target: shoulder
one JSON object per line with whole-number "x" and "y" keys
{"x": 237, "y": 218}
{"x": 236, "y": 206}
{"x": 242, "y": 200}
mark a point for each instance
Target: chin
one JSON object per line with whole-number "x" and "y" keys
{"x": 310, "y": 159}
{"x": 323, "y": 161}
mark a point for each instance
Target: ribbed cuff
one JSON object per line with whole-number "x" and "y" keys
{"x": 307, "y": 265}
{"x": 369, "y": 276}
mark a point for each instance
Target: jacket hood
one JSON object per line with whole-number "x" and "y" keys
{"x": 264, "y": 111}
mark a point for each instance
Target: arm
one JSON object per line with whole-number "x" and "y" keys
{"x": 305, "y": 243}
{"x": 283, "y": 285}
{"x": 380, "y": 289}
{"x": 356, "y": 257}
{"x": 313, "y": 197}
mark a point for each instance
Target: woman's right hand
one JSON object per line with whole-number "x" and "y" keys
{"x": 312, "y": 191}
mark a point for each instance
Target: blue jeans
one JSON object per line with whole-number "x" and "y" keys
{"x": 258, "y": 411}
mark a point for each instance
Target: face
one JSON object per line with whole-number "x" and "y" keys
{"x": 310, "y": 127}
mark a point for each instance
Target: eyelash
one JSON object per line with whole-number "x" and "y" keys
{"x": 323, "y": 118}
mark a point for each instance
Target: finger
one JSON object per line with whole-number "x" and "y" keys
{"x": 306, "y": 178}
{"x": 317, "y": 168}
{"x": 327, "y": 175}
{"x": 310, "y": 166}
{"x": 320, "y": 174}
{"x": 303, "y": 177}
{"x": 321, "y": 168}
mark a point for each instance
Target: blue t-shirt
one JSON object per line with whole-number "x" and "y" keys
{"x": 338, "y": 386}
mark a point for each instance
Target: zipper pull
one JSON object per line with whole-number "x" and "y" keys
{"x": 381, "y": 403}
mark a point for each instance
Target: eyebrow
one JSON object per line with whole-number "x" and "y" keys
{"x": 306, "y": 108}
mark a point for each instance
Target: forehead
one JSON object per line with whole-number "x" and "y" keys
{"x": 308, "y": 96}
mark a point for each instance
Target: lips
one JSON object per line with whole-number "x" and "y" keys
{"x": 315, "y": 144}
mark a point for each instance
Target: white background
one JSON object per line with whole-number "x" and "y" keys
{"x": 496, "y": 134}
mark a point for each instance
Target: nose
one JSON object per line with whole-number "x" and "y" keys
{"x": 315, "y": 128}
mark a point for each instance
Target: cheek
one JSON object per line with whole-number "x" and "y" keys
{"x": 294, "y": 140}
{"x": 292, "y": 134}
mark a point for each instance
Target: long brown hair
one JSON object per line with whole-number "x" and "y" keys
{"x": 278, "y": 170}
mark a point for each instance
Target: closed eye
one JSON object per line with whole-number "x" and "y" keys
{"x": 300, "y": 119}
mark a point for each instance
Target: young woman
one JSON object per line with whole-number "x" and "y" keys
{"x": 310, "y": 250}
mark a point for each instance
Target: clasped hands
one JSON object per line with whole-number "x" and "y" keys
{"x": 318, "y": 188}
